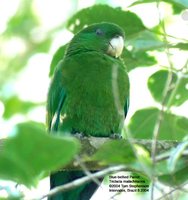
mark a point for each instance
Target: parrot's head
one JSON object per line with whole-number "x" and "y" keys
{"x": 103, "y": 37}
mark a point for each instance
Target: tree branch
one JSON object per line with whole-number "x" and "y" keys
{"x": 173, "y": 190}
{"x": 90, "y": 145}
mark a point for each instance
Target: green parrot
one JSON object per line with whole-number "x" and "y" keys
{"x": 88, "y": 94}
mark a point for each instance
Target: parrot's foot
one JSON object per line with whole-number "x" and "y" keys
{"x": 115, "y": 136}
{"x": 79, "y": 135}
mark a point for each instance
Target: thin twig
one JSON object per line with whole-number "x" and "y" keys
{"x": 177, "y": 84}
{"x": 132, "y": 142}
{"x": 86, "y": 170}
{"x": 173, "y": 190}
{"x": 165, "y": 92}
{"x": 171, "y": 36}
{"x": 83, "y": 180}
{"x": 162, "y": 190}
{"x": 116, "y": 194}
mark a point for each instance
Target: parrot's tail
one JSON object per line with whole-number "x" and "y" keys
{"x": 83, "y": 192}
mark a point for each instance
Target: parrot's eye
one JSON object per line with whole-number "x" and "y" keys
{"x": 99, "y": 32}
{"x": 116, "y": 36}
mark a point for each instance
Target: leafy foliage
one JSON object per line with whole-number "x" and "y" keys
{"x": 14, "y": 105}
{"x": 143, "y": 122}
{"x": 145, "y": 41}
{"x": 123, "y": 152}
{"x": 182, "y": 46}
{"x": 25, "y": 156}
{"x": 178, "y": 176}
{"x": 112, "y": 148}
{"x": 177, "y": 94}
{"x": 130, "y": 22}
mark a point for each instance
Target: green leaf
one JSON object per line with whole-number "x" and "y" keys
{"x": 144, "y": 41}
{"x": 161, "y": 168}
{"x": 157, "y": 82}
{"x": 142, "y": 2}
{"x": 182, "y": 123}
{"x": 129, "y": 21}
{"x": 137, "y": 59}
{"x": 182, "y": 46}
{"x": 14, "y": 105}
{"x": 119, "y": 151}
{"x": 182, "y": 3}
{"x": 59, "y": 54}
{"x": 177, "y": 94}
{"x": 178, "y": 5}
{"x": 31, "y": 154}
{"x": 143, "y": 122}
{"x": 123, "y": 152}
{"x": 177, "y": 178}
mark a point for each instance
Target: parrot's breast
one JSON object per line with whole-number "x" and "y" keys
{"x": 97, "y": 87}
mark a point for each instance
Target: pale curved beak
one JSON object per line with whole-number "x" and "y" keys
{"x": 115, "y": 47}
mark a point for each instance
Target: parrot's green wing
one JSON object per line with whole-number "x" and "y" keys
{"x": 56, "y": 117}
{"x": 56, "y": 98}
